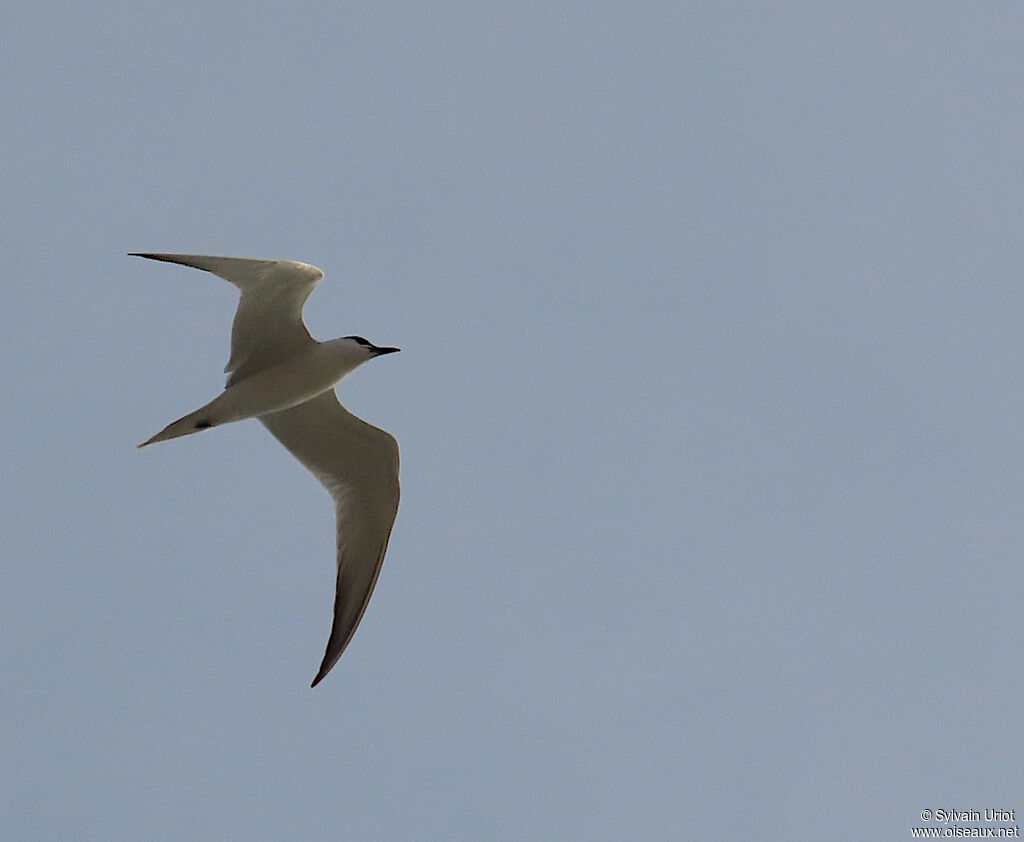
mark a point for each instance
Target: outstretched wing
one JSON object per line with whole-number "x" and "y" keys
{"x": 358, "y": 464}
{"x": 268, "y": 323}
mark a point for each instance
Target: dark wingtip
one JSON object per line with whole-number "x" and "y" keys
{"x": 325, "y": 667}
{"x": 170, "y": 258}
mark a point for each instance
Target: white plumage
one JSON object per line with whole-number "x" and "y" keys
{"x": 284, "y": 377}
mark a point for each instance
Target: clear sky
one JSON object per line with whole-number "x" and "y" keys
{"x": 709, "y": 406}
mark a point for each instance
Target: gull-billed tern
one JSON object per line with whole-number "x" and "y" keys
{"x": 284, "y": 377}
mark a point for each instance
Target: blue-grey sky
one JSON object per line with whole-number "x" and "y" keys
{"x": 709, "y": 406}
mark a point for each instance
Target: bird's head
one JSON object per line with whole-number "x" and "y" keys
{"x": 367, "y": 348}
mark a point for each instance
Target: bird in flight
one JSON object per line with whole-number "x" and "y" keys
{"x": 279, "y": 374}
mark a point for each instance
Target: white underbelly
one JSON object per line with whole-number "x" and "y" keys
{"x": 305, "y": 375}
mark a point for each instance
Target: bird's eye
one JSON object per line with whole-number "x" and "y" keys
{"x": 360, "y": 340}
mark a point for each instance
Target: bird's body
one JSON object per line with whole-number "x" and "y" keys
{"x": 284, "y": 377}
{"x": 294, "y": 380}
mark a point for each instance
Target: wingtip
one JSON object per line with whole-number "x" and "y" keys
{"x": 324, "y": 669}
